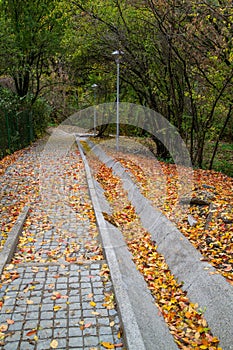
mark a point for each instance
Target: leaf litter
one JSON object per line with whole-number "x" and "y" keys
{"x": 213, "y": 233}
{"x": 185, "y": 320}
{"x": 44, "y": 240}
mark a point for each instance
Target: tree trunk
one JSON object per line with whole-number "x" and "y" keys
{"x": 162, "y": 151}
{"x": 219, "y": 137}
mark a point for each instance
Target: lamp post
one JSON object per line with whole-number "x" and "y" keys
{"x": 117, "y": 55}
{"x": 94, "y": 87}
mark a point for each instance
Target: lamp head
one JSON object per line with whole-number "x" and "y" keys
{"x": 117, "y": 54}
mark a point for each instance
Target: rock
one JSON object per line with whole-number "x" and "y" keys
{"x": 207, "y": 195}
{"x": 192, "y": 221}
{"x": 199, "y": 201}
{"x": 208, "y": 186}
{"x": 227, "y": 214}
{"x": 208, "y": 240}
{"x": 201, "y": 198}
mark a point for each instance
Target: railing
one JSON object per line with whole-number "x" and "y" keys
{"x": 16, "y": 131}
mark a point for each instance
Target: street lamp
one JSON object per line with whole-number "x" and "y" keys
{"x": 117, "y": 55}
{"x": 94, "y": 87}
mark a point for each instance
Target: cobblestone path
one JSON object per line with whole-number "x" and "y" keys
{"x": 56, "y": 293}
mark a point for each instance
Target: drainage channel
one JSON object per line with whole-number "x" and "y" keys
{"x": 203, "y": 285}
{"x": 144, "y": 326}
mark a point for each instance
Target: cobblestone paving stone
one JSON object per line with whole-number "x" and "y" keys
{"x": 59, "y": 297}
{"x": 61, "y": 302}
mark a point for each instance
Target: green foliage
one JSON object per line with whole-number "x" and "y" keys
{"x": 9, "y": 101}
{"x": 178, "y": 61}
{"x": 41, "y": 112}
{"x": 21, "y": 121}
{"x": 224, "y": 158}
{"x": 31, "y": 36}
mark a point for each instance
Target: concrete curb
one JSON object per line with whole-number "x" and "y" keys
{"x": 201, "y": 280}
{"x": 12, "y": 240}
{"x": 143, "y": 327}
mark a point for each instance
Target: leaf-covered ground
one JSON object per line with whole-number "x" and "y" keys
{"x": 60, "y": 229}
{"x": 211, "y": 234}
{"x": 212, "y": 231}
{"x": 185, "y": 320}
{"x": 22, "y": 184}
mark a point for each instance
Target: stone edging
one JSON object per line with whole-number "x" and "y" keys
{"x": 144, "y": 327}
{"x": 204, "y": 285}
{"x": 12, "y": 239}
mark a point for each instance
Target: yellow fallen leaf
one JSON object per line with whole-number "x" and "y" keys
{"x": 95, "y": 313}
{"x": 2, "y": 336}
{"x": 92, "y": 303}
{"x": 29, "y": 302}
{"x": 56, "y": 308}
{"x": 54, "y": 344}
{"x": 107, "y": 345}
{"x": 10, "y": 267}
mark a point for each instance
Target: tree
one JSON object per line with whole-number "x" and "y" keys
{"x": 31, "y": 36}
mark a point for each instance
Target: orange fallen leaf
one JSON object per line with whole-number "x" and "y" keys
{"x": 9, "y": 321}
{"x": 108, "y": 345}
{"x": 32, "y": 332}
{"x": 3, "y": 327}
{"x": 188, "y": 314}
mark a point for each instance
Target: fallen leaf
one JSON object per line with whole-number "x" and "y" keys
{"x": 3, "y": 327}
{"x": 56, "y": 308}
{"x": 54, "y": 344}
{"x": 32, "y": 332}
{"x": 92, "y": 303}
{"x": 87, "y": 325}
{"x": 9, "y": 321}
{"x": 10, "y": 267}
{"x": 107, "y": 345}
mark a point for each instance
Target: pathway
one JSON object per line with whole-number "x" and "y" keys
{"x": 56, "y": 292}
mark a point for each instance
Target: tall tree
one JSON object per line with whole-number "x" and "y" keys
{"x": 31, "y": 36}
